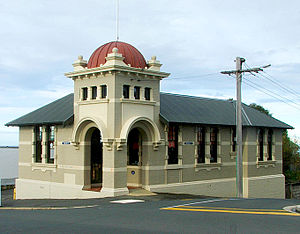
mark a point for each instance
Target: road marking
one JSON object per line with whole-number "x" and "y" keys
{"x": 229, "y": 210}
{"x": 232, "y": 208}
{"x": 127, "y": 201}
{"x": 203, "y": 202}
{"x": 46, "y": 208}
{"x": 192, "y": 207}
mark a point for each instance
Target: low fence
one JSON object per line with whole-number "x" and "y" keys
{"x": 292, "y": 190}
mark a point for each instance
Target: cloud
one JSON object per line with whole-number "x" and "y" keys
{"x": 41, "y": 39}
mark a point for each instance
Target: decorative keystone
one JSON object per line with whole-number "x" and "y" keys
{"x": 79, "y": 64}
{"x": 115, "y": 58}
{"x": 154, "y": 64}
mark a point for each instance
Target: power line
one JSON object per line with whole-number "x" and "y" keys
{"x": 193, "y": 76}
{"x": 295, "y": 92}
{"x": 272, "y": 91}
{"x": 261, "y": 90}
{"x": 286, "y": 89}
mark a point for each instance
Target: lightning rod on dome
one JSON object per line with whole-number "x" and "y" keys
{"x": 117, "y": 20}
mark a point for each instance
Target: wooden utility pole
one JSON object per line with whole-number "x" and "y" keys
{"x": 239, "y": 130}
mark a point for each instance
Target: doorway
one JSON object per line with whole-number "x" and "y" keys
{"x": 134, "y": 158}
{"x": 96, "y": 158}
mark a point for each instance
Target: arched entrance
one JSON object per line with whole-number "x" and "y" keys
{"x": 134, "y": 146}
{"x": 142, "y": 137}
{"x": 135, "y": 158}
{"x": 96, "y": 158}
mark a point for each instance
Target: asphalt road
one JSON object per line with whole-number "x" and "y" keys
{"x": 155, "y": 214}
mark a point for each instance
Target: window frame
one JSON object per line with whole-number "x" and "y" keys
{"x": 173, "y": 131}
{"x": 50, "y": 144}
{"x": 137, "y": 92}
{"x": 270, "y": 144}
{"x": 233, "y": 140}
{"x": 38, "y": 136}
{"x": 147, "y": 94}
{"x": 261, "y": 144}
{"x": 213, "y": 144}
{"x": 201, "y": 133}
{"x": 84, "y": 93}
{"x": 126, "y": 91}
{"x": 103, "y": 91}
{"x": 94, "y": 92}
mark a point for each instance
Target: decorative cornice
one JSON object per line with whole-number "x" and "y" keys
{"x": 110, "y": 68}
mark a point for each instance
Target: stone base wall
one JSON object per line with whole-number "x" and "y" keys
{"x": 218, "y": 188}
{"x": 254, "y": 187}
{"x": 34, "y": 189}
{"x": 271, "y": 186}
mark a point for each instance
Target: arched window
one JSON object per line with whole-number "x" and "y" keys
{"x": 270, "y": 138}
{"x": 233, "y": 139}
{"x": 38, "y": 143}
{"x": 50, "y": 144}
{"x": 173, "y": 144}
{"x": 261, "y": 144}
{"x": 201, "y": 144}
{"x": 213, "y": 145}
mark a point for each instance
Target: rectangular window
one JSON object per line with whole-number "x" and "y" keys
{"x": 103, "y": 91}
{"x": 94, "y": 92}
{"x": 213, "y": 145}
{"x": 137, "y": 92}
{"x": 173, "y": 144}
{"x": 50, "y": 144}
{"x": 261, "y": 144}
{"x": 270, "y": 138}
{"x": 38, "y": 143}
{"x": 147, "y": 94}
{"x": 125, "y": 91}
{"x": 84, "y": 93}
{"x": 201, "y": 144}
{"x": 233, "y": 140}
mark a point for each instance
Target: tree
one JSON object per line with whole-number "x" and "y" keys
{"x": 260, "y": 108}
{"x": 290, "y": 152}
{"x": 291, "y": 159}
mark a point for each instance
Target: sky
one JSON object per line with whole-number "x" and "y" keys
{"x": 194, "y": 40}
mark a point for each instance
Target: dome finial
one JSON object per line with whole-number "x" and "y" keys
{"x": 115, "y": 50}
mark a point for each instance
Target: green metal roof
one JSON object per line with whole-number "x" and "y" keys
{"x": 59, "y": 112}
{"x": 197, "y": 110}
{"x": 173, "y": 109}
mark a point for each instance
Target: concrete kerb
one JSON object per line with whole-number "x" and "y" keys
{"x": 47, "y": 208}
{"x": 292, "y": 209}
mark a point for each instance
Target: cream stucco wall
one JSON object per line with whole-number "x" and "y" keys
{"x": 261, "y": 179}
{"x": 115, "y": 116}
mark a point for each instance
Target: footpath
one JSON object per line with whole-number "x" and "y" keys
{"x": 141, "y": 194}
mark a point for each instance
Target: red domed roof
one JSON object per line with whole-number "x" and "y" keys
{"x": 131, "y": 54}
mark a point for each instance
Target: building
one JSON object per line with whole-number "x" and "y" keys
{"x": 118, "y": 131}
